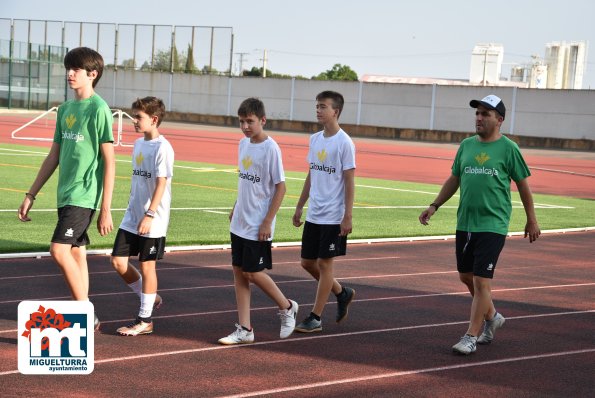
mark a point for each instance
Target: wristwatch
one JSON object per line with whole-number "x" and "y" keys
{"x": 150, "y": 213}
{"x": 436, "y": 206}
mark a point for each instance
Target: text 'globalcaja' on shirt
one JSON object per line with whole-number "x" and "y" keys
{"x": 328, "y": 158}
{"x": 260, "y": 169}
{"x": 150, "y": 159}
{"x": 485, "y": 170}
{"x": 81, "y": 127}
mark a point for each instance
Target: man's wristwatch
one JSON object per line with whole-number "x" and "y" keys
{"x": 150, "y": 213}
{"x": 436, "y": 206}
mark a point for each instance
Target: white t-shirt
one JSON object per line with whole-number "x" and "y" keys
{"x": 260, "y": 169}
{"x": 328, "y": 158}
{"x": 150, "y": 159}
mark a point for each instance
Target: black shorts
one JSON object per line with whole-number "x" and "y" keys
{"x": 251, "y": 255}
{"x": 478, "y": 252}
{"x": 128, "y": 244}
{"x": 73, "y": 223}
{"x": 322, "y": 241}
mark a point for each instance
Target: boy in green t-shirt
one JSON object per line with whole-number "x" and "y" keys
{"x": 83, "y": 147}
{"x": 483, "y": 168}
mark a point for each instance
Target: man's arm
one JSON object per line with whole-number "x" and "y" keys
{"x": 448, "y": 189}
{"x": 531, "y": 227}
{"x": 347, "y": 222}
{"x": 46, "y": 170}
{"x": 104, "y": 221}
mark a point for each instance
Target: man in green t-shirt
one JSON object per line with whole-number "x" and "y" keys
{"x": 483, "y": 168}
{"x": 83, "y": 148}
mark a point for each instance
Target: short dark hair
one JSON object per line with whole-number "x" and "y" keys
{"x": 152, "y": 106}
{"x": 85, "y": 58}
{"x": 252, "y": 106}
{"x": 334, "y": 96}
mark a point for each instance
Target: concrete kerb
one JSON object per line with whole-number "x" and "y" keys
{"x": 171, "y": 249}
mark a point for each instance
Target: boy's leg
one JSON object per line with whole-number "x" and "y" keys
{"x": 126, "y": 270}
{"x": 326, "y": 283}
{"x": 75, "y": 274}
{"x": 242, "y": 290}
{"x": 313, "y": 268}
{"x": 269, "y": 287}
{"x": 149, "y": 288}
{"x": 288, "y": 309}
{"x": 80, "y": 256}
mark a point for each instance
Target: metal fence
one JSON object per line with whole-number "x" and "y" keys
{"x": 31, "y": 75}
{"x": 165, "y": 48}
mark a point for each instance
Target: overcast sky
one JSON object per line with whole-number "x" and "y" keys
{"x": 398, "y": 38}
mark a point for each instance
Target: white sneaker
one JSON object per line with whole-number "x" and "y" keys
{"x": 489, "y": 328}
{"x": 466, "y": 346}
{"x": 288, "y": 320}
{"x": 239, "y": 336}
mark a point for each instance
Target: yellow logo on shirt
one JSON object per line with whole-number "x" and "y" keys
{"x": 482, "y": 158}
{"x": 322, "y": 155}
{"x": 247, "y": 162}
{"x": 139, "y": 159}
{"x": 70, "y": 121}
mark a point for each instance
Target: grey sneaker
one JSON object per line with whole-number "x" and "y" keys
{"x": 466, "y": 346}
{"x": 489, "y": 329}
{"x": 343, "y": 301}
{"x": 96, "y": 323}
{"x": 288, "y": 320}
{"x": 309, "y": 325}
{"x": 239, "y": 336}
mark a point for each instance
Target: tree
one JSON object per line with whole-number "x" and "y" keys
{"x": 190, "y": 67}
{"x": 255, "y": 71}
{"x": 339, "y": 72}
{"x": 128, "y": 64}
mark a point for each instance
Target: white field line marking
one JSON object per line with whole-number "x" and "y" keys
{"x": 407, "y": 373}
{"x": 207, "y": 313}
{"x": 318, "y": 337}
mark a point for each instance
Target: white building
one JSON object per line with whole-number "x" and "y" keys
{"x": 566, "y": 64}
{"x": 486, "y": 64}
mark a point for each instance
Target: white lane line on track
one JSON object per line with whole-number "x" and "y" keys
{"x": 326, "y": 336}
{"x": 407, "y": 373}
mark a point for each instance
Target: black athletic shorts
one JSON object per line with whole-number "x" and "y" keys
{"x": 128, "y": 244}
{"x": 478, "y": 252}
{"x": 251, "y": 255}
{"x": 322, "y": 241}
{"x": 73, "y": 223}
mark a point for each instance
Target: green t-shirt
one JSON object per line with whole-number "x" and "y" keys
{"x": 485, "y": 170}
{"x": 81, "y": 127}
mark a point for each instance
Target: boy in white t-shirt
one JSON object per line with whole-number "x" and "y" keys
{"x": 261, "y": 187}
{"x": 143, "y": 229}
{"x": 330, "y": 189}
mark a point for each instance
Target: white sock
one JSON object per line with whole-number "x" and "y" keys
{"x": 137, "y": 286}
{"x": 147, "y": 300}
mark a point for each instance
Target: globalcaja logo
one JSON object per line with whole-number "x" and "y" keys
{"x": 56, "y": 337}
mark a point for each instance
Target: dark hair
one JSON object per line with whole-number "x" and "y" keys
{"x": 152, "y": 106}
{"x": 85, "y": 58}
{"x": 334, "y": 96}
{"x": 252, "y": 106}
